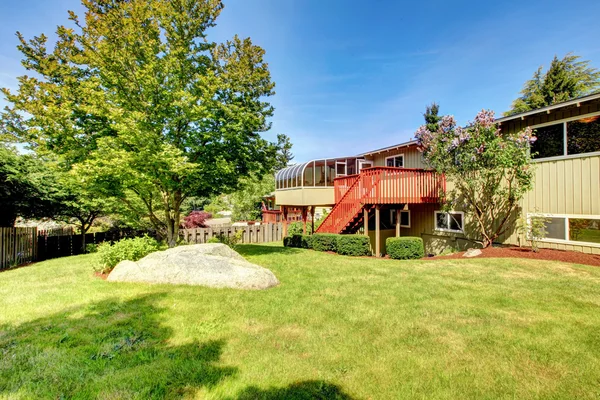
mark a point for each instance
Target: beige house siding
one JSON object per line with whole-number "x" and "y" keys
{"x": 308, "y": 196}
{"x": 412, "y": 157}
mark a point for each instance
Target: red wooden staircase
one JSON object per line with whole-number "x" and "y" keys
{"x": 376, "y": 186}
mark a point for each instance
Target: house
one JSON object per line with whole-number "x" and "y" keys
{"x": 390, "y": 192}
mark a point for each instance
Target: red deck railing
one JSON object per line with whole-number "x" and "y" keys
{"x": 381, "y": 185}
{"x": 342, "y": 184}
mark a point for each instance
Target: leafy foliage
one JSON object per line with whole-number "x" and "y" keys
{"x": 534, "y": 230}
{"x": 293, "y": 240}
{"x": 146, "y": 105}
{"x": 353, "y": 245}
{"x": 26, "y": 187}
{"x": 489, "y": 170}
{"x": 566, "y": 79}
{"x": 246, "y": 203}
{"x": 324, "y": 242}
{"x": 196, "y": 219}
{"x": 132, "y": 249}
{"x": 405, "y": 248}
{"x": 231, "y": 241}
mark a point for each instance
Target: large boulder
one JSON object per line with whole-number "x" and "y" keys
{"x": 213, "y": 265}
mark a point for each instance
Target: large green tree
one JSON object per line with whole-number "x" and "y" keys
{"x": 26, "y": 187}
{"x": 148, "y": 109}
{"x": 488, "y": 171}
{"x": 566, "y": 79}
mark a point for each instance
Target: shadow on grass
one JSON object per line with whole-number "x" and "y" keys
{"x": 306, "y": 390}
{"x": 257, "y": 250}
{"x": 111, "y": 349}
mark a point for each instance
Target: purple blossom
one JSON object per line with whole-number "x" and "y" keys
{"x": 485, "y": 118}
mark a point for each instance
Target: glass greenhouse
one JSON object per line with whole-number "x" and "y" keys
{"x": 315, "y": 173}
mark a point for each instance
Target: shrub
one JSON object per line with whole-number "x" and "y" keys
{"x": 294, "y": 240}
{"x": 306, "y": 242}
{"x": 196, "y": 219}
{"x": 324, "y": 241}
{"x": 353, "y": 245}
{"x": 405, "y": 248}
{"x": 91, "y": 248}
{"x": 125, "y": 249}
{"x": 231, "y": 241}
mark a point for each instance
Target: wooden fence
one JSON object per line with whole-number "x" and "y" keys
{"x": 22, "y": 245}
{"x": 252, "y": 234}
{"x": 17, "y": 246}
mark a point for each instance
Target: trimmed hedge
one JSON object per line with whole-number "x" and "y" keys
{"x": 405, "y": 248}
{"x": 324, "y": 241}
{"x": 299, "y": 241}
{"x": 353, "y": 245}
{"x": 306, "y": 241}
{"x": 349, "y": 245}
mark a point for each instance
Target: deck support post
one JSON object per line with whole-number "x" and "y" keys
{"x": 397, "y": 222}
{"x": 304, "y": 216}
{"x": 312, "y": 219}
{"x": 366, "y": 220}
{"x": 284, "y": 212}
{"x": 377, "y": 232}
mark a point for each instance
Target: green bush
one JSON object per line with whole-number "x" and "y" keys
{"x": 294, "y": 240}
{"x": 91, "y": 248}
{"x": 231, "y": 241}
{"x": 405, "y": 248}
{"x": 324, "y": 241}
{"x": 353, "y": 245}
{"x": 306, "y": 241}
{"x": 125, "y": 249}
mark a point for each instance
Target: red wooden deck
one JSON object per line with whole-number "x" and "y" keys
{"x": 380, "y": 185}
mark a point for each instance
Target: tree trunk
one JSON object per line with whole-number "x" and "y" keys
{"x": 173, "y": 215}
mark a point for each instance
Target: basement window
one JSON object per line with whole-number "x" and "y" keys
{"x": 571, "y": 229}
{"x": 452, "y": 221}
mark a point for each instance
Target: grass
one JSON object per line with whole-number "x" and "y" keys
{"x": 336, "y": 327}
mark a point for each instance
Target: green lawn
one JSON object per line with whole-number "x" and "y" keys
{"x": 336, "y": 327}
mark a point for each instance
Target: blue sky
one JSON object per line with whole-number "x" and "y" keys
{"x": 356, "y": 75}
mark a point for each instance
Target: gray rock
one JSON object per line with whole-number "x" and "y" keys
{"x": 472, "y": 253}
{"x": 213, "y": 265}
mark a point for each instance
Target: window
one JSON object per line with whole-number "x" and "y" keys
{"x": 452, "y": 221}
{"x": 583, "y": 135}
{"x": 404, "y": 218}
{"x": 578, "y": 136}
{"x": 550, "y": 141}
{"x": 579, "y": 229}
{"x": 330, "y": 172}
{"x": 395, "y": 161}
{"x": 340, "y": 168}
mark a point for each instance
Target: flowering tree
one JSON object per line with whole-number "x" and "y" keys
{"x": 488, "y": 170}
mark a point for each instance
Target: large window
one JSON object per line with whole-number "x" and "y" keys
{"x": 452, "y": 221}
{"x": 395, "y": 161}
{"x": 550, "y": 141}
{"x": 568, "y": 138}
{"x": 583, "y": 135}
{"x": 582, "y": 229}
{"x": 404, "y": 218}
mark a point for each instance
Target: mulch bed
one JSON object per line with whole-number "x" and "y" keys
{"x": 100, "y": 275}
{"x": 544, "y": 254}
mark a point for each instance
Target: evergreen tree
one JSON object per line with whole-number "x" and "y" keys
{"x": 431, "y": 117}
{"x": 566, "y": 79}
{"x": 284, "y": 152}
